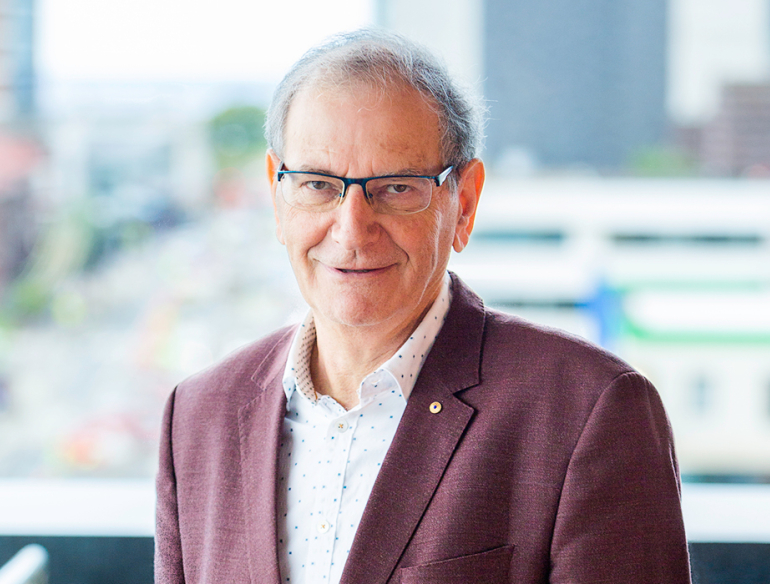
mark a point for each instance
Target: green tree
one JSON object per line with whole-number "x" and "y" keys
{"x": 237, "y": 136}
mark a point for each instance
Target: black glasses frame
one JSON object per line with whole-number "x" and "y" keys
{"x": 438, "y": 179}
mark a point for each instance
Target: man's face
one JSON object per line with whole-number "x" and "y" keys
{"x": 356, "y": 267}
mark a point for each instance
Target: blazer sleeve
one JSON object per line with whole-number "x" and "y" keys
{"x": 168, "y": 546}
{"x": 619, "y": 517}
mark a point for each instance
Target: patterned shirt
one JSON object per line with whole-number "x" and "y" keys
{"x": 330, "y": 457}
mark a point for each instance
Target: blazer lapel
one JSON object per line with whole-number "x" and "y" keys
{"x": 423, "y": 445}
{"x": 259, "y": 425}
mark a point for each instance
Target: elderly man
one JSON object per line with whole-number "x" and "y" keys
{"x": 403, "y": 432}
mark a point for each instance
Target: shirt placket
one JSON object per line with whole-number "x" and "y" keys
{"x": 328, "y": 488}
{"x": 345, "y": 427}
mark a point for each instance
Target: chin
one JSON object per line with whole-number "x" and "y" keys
{"x": 356, "y": 318}
{"x": 360, "y": 314}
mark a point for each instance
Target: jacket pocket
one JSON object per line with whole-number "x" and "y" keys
{"x": 490, "y": 567}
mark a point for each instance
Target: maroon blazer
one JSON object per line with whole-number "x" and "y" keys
{"x": 550, "y": 461}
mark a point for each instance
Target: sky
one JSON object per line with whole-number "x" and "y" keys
{"x": 710, "y": 41}
{"x": 185, "y": 40}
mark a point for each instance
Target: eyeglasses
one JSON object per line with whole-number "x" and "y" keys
{"x": 392, "y": 195}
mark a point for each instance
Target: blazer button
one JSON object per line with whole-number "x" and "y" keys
{"x": 435, "y": 407}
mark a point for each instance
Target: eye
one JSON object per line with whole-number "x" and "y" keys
{"x": 397, "y": 188}
{"x": 317, "y": 185}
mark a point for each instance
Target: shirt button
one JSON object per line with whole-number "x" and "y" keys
{"x": 323, "y": 526}
{"x": 342, "y": 425}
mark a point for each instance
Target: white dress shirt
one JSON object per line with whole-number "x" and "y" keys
{"x": 329, "y": 457}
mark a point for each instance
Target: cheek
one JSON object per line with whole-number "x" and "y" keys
{"x": 444, "y": 223}
{"x": 430, "y": 240}
{"x": 300, "y": 231}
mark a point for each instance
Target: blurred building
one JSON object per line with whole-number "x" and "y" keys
{"x": 132, "y": 174}
{"x": 714, "y": 43}
{"x": 575, "y": 82}
{"x": 18, "y": 153}
{"x": 17, "y": 72}
{"x": 568, "y": 82}
{"x": 18, "y": 157}
{"x": 737, "y": 140}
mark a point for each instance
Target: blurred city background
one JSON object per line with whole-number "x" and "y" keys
{"x": 628, "y": 201}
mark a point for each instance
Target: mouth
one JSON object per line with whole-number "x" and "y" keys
{"x": 359, "y": 271}
{"x": 347, "y": 269}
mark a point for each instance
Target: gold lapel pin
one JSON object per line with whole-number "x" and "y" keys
{"x": 435, "y": 407}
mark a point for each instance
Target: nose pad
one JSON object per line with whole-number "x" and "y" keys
{"x": 345, "y": 193}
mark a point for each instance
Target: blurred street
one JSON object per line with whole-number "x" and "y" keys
{"x": 83, "y": 393}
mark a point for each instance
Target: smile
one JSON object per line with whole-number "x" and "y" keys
{"x": 366, "y": 271}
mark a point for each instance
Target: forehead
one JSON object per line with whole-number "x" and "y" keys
{"x": 358, "y": 130}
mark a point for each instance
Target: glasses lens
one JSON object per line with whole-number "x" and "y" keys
{"x": 312, "y": 192}
{"x": 400, "y": 194}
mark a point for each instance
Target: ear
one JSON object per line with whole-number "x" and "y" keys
{"x": 272, "y": 164}
{"x": 468, "y": 191}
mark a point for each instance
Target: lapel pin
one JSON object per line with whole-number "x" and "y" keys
{"x": 435, "y": 407}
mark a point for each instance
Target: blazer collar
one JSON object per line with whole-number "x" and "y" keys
{"x": 423, "y": 445}
{"x": 259, "y": 427}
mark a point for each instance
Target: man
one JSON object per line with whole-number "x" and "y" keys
{"x": 403, "y": 432}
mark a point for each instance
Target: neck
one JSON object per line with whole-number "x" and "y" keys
{"x": 344, "y": 355}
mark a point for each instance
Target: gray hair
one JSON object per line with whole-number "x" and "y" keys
{"x": 382, "y": 59}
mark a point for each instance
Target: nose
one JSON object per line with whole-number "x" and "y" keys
{"x": 355, "y": 224}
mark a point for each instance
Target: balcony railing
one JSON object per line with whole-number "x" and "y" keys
{"x": 28, "y": 566}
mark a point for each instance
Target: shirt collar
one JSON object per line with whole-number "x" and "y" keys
{"x": 404, "y": 365}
